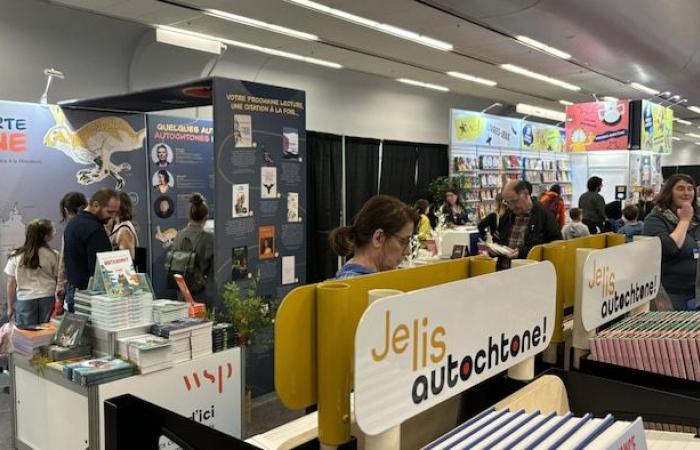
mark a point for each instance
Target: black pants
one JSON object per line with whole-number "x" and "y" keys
{"x": 593, "y": 227}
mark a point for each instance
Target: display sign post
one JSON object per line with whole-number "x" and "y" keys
{"x": 415, "y": 350}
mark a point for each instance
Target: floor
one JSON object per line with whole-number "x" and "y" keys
{"x": 5, "y": 415}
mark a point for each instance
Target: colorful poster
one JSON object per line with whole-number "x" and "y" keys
{"x": 541, "y": 137}
{"x": 657, "y": 128}
{"x": 597, "y": 126}
{"x": 474, "y": 128}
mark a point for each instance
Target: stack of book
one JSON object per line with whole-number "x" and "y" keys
{"x": 150, "y": 353}
{"x": 106, "y": 342}
{"x": 504, "y": 429}
{"x": 68, "y": 342}
{"x": 96, "y": 371}
{"x": 191, "y": 338}
{"x": 26, "y": 341}
{"x": 112, "y": 313}
{"x": 165, "y": 311}
{"x": 223, "y": 336}
{"x": 664, "y": 342}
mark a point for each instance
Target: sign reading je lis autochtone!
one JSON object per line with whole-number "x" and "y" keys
{"x": 418, "y": 349}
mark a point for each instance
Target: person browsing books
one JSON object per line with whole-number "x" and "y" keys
{"x": 525, "y": 225}
{"x": 85, "y": 236}
{"x": 69, "y": 206}
{"x": 490, "y": 223}
{"x": 593, "y": 206}
{"x": 553, "y": 202}
{"x": 31, "y": 276}
{"x": 378, "y": 239}
{"x": 455, "y": 214}
{"x": 123, "y": 236}
{"x": 675, "y": 220}
{"x": 575, "y": 229}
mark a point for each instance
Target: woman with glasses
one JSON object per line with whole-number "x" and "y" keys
{"x": 378, "y": 239}
{"x": 455, "y": 214}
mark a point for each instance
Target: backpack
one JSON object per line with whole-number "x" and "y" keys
{"x": 183, "y": 262}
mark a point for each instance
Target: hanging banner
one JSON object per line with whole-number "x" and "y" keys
{"x": 474, "y": 128}
{"x": 415, "y": 350}
{"x": 541, "y": 137}
{"x": 46, "y": 152}
{"x": 181, "y": 162}
{"x": 657, "y": 128}
{"x": 597, "y": 126}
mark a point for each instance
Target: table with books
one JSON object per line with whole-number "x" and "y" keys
{"x": 119, "y": 341}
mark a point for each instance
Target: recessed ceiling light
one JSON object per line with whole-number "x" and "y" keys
{"x": 435, "y": 87}
{"x": 608, "y": 98}
{"x": 675, "y": 138}
{"x": 257, "y": 48}
{"x": 684, "y": 122}
{"x": 693, "y": 135}
{"x": 566, "y": 102}
{"x": 695, "y": 109}
{"x": 377, "y": 26}
{"x": 545, "y": 113}
{"x": 641, "y": 87}
{"x": 544, "y": 47}
{"x": 259, "y": 24}
{"x": 538, "y": 76}
{"x": 472, "y": 78}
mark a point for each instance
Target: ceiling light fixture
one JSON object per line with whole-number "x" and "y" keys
{"x": 542, "y": 46}
{"x": 697, "y": 143}
{"x": 675, "y": 138}
{"x": 693, "y": 135}
{"x": 538, "y": 76}
{"x": 608, "y": 98}
{"x": 641, "y": 87}
{"x": 377, "y": 26}
{"x": 545, "y": 113}
{"x": 695, "y": 109}
{"x": 259, "y": 24}
{"x": 472, "y": 78}
{"x": 566, "y": 102}
{"x": 257, "y": 48}
{"x": 169, "y": 36}
{"x": 435, "y": 87}
{"x": 684, "y": 122}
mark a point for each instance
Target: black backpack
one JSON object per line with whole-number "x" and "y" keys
{"x": 183, "y": 261}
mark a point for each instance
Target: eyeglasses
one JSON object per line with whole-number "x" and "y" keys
{"x": 404, "y": 241}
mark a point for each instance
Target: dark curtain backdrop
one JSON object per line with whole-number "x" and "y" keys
{"x": 361, "y": 173}
{"x": 399, "y": 170}
{"x": 433, "y": 163}
{"x": 324, "y": 188}
{"x": 693, "y": 171}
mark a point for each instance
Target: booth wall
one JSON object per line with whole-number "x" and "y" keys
{"x": 684, "y": 154}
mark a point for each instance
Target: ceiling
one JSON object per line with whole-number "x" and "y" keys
{"x": 612, "y": 43}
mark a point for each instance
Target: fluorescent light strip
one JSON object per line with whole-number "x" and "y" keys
{"x": 422, "y": 84}
{"x": 257, "y": 48}
{"x": 538, "y": 76}
{"x": 544, "y": 47}
{"x": 675, "y": 138}
{"x": 530, "y": 110}
{"x": 377, "y": 26}
{"x": 259, "y": 24}
{"x": 198, "y": 43}
{"x": 641, "y": 87}
{"x": 610, "y": 99}
{"x": 697, "y": 143}
{"x": 695, "y": 109}
{"x": 566, "y": 102}
{"x": 684, "y": 122}
{"x": 472, "y": 78}
{"x": 693, "y": 135}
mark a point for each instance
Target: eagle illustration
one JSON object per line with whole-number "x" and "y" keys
{"x": 93, "y": 144}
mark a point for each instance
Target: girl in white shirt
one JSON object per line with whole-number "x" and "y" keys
{"x": 31, "y": 276}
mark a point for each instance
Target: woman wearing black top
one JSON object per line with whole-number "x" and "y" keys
{"x": 455, "y": 214}
{"x": 593, "y": 206}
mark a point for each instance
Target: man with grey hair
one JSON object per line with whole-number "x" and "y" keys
{"x": 525, "y": 225}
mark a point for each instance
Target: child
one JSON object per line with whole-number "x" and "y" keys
{"x": 424, "y": 229}
{"x": 575, "y": 229}
{"x": 632, "y": 226}
{"x": 31, "y": 276}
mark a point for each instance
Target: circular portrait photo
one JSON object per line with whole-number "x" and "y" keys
{"x": 163, "y": 207}
{"x": 162, "y": 155}
{"x": 163, "y": 181}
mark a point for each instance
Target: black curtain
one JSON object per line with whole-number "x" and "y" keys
{"x": 324, "y": 202}
{"x": 398, "y": 178}
{"x": 433, "y": 163}
{"x": 693, "y": 171}
{"x": 361, "y": 173}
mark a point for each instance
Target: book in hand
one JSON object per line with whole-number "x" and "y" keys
{"x": 498, "y": 249}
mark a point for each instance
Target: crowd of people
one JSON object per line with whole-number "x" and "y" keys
{"x": 42, "y": 282}
{"x": 380, "y": 235}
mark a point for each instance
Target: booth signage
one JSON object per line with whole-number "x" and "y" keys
{"x": 597, "y": 126}
{"x": 657, "y": 127}
{"x": 415, "y": 350}
{"x": 617, "y": 279}
{"x": 540, "y": 137}
{"x": 474, "y": 128}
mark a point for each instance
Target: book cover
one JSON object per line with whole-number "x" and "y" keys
{"x": 240, "y": 197}
{"x": 117, "y": 273}
{"x": 268, "y": 182}
{"x": 239, "y": 263}
{"x": 457, "y": 251}
{"x": 290, "y": 142}
{"x": 70, "y": 331}
{"x": 288, "y": 272}
{"x": 242, "y": 131}
{"x": 293, "y": 207}
{"x": 266, "y": 239}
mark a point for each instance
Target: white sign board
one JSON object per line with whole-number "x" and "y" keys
{"x": 415, "y": 350}
{"x": 617, "y": 279}
{"x": 207, "y": 390}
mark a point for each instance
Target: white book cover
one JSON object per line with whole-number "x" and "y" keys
{"x": 293, "y": 207}
{"x": 288, "y": 272}
{"x": 242, "y": 131}
{"x": 268, "y": 182}
{"x": 240, "y": 200}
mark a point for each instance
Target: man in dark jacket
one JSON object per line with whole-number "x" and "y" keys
{"x": 84, "y": 237}
{"x": 525, "y": 225}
